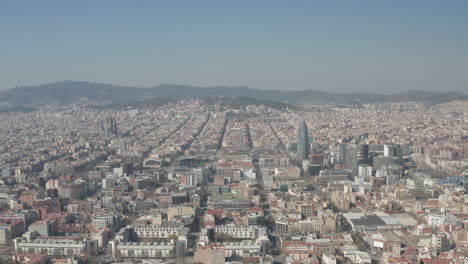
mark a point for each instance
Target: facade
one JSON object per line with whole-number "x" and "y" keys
{"x": 385, "y": 242}
{"x": 107, "y": 221}
{"x": 256, "y": 218}
{"x": 142, "y": 250}
{"x": 297, "y": 250}
{"x": 55, "y": 247}
{"x": 365, "y": 172}
{"x": 53, "y": 205}
{"x": 306, "y": 209}
{"x": 281, "y": 225}
{"x": 243, "y": 232}
{"x": 202, "y": 174}
{"x": 302, "y": 141}
{"x": 326, "y": 176}
{"x": 242, "y": 249}
{"x": 160, "y": 232}
{"x": 44, "y": 227}
{"x": 436, "y": 220}
{"x": 321, "y": 246}
{"x": 10, "y": 229}
{"x": 28, "y": 217}
{"x": 393, "y": 151}
{"x": 348, "y": 157}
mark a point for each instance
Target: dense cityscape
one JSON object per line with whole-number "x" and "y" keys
{"x": 191, "y": 182}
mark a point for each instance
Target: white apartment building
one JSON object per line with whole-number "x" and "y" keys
{"x": 242, "y": 249}
{"x": 247, "y": 232}
{"x": 436, "y": 220}
{"x": 55, "y": 247}
{"x": 153, "y": 231}
{"x": 141, "y": 250}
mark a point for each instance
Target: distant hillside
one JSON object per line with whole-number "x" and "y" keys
{"x": 69, "y": 92}
{"x": 424, "y": 96}
{"x": 90, "y": 93}
{"x": 243, "y": 102}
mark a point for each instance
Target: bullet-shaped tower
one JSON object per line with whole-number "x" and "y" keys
{"x": 302, "y": 141}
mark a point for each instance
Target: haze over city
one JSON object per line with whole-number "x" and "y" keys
{"x": 340, "y": 46}
{"x": 234, "y": 132}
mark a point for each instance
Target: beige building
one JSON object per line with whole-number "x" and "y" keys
{"x": 210, "y": 254}
{"x": 179, "y": 210}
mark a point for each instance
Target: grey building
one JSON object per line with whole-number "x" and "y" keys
{"x": 302, "y": 141}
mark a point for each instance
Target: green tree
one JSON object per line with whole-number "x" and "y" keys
{"x": 284, "y": 188}
{"x": 333, "y": 207}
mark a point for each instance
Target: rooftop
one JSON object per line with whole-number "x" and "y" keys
{"x": 370, "y": 220}
{"x": 226, "y": 196}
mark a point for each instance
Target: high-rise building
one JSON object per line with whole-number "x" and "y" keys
{"x": 302, "y": 141}
{"x": 393, "y": 151}
{"x": 202, "y": 174}
{"x": 465, "y": 183}
{"x": 365, "y": 153}
{"x": 348, "y": 157}
{"x": 342, "y": 152}
{"x": 364, "y": 172}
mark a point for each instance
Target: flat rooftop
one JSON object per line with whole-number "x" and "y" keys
{"x": 370, "y": 220}
{"x": 227, "y": 197}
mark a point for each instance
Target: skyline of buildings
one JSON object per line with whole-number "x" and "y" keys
{"x": 189, "y": 182}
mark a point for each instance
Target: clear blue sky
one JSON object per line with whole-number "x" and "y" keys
{"x": 382, "y": 46}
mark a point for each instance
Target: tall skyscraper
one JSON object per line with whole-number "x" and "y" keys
{"x": 342, "y": 153}
{"x": 302, "y": 141}
{"x": 348, "y": 157}
{"x": 465, "y": 183}
{"x": 365, "y": 153}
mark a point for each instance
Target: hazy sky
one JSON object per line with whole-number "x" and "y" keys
{"x": 381, "y": 46}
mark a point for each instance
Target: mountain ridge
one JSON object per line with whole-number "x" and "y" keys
{"x": 67, "y": 92}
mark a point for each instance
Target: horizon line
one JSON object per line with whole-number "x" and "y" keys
{"x": 234, "y": 87}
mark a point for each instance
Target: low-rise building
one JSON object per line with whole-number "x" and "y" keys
{"x": 142, "y": 250}
{"x": 160, "y": 232}
{"x": 210, "y": 254}
{"x": 56, "y": 246}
